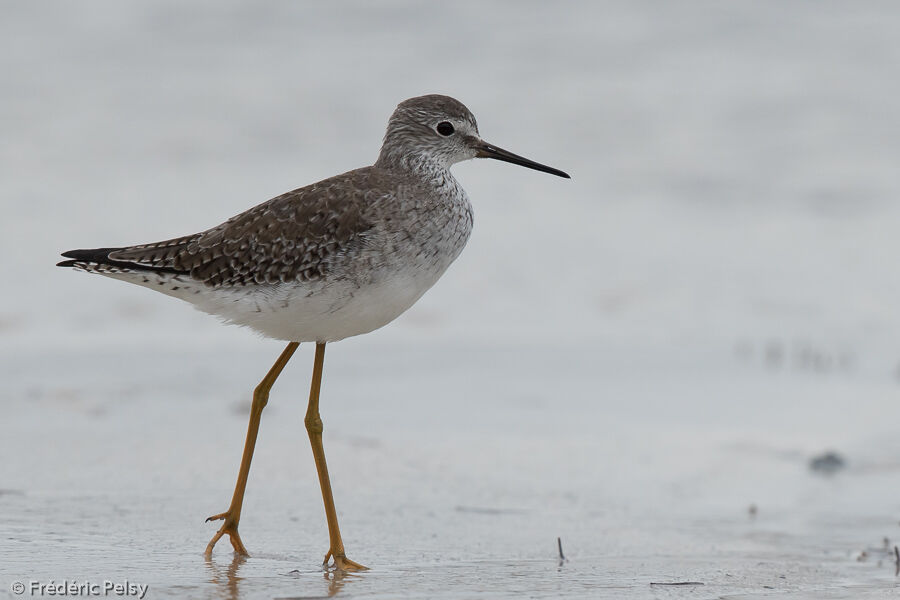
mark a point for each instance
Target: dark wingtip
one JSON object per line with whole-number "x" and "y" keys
{"x": 90, "y": 254}
{"x": 83, "y": 255}
{"x": 86, "y": 255}
{"x": 100, "y": 256}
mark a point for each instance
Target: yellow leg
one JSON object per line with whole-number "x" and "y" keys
{"x": 232, "y": 516}
{"x": 314, "y": 428}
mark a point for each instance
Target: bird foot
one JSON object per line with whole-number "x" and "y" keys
{"x": 230, "y": 527}
{"x": 342, "y": 563}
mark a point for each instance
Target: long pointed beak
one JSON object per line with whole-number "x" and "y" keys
{"x": 485, "y": 150}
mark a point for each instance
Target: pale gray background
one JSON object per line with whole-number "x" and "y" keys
{"x": 627, "y": 360}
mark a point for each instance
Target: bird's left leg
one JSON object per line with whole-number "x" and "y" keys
{"x": 232, "y": 516}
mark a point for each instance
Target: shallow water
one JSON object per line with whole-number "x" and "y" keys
{"x": 641, "y": 361}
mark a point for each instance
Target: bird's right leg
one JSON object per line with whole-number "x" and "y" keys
{"x": 232, "y": 516}
{"x": 314, "y": 429}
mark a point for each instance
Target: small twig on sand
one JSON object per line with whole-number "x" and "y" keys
{"x": 896, "y": 561}
{"x": 677, "y": 583}
{"x": 559, "y": 545}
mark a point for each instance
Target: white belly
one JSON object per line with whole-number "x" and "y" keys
{"x": 308, "y": 312}
{"x": 330, "y": 313}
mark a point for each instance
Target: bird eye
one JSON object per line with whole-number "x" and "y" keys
{"x": 445, "y": 128}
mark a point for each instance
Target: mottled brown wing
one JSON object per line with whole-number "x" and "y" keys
{"x": 289, "y": 238}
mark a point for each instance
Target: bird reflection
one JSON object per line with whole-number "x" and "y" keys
{"x": 336, "y": 579}
{"x": 227, "y": 583}
{"x": 226, "y": 579}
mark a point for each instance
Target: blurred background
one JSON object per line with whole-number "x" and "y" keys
{"x": 645, "y": 360}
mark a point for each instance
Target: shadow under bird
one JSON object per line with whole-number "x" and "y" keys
{"x": 331, "y": 260}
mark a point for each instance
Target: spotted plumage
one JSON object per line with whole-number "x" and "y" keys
{"x": 334, "y": 259}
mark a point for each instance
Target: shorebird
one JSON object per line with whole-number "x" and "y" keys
{"x": 335, "y": 259}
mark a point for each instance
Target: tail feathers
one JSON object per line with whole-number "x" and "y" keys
{"x": 91, "y": 258}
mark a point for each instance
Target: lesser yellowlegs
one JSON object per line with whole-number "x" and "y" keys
{"x": 334, "y": 259}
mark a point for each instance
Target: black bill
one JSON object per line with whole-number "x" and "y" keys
{"x": 485, "y": 150}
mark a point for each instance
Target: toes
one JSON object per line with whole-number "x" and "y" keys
{"x": 217, "y": 517}
{"x": 349, "y": 565}
{"x": 237, "y": 544}
{"x": 212, "y": 543}
{"x": 343, "y": 563}
{"x": 228, "y": 527}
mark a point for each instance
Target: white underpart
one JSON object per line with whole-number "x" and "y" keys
{"x": 305, "y": 312}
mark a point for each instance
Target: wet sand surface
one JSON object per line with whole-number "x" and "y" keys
{"x": 642, "y": 362}
{"x": 453, "y": 480}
